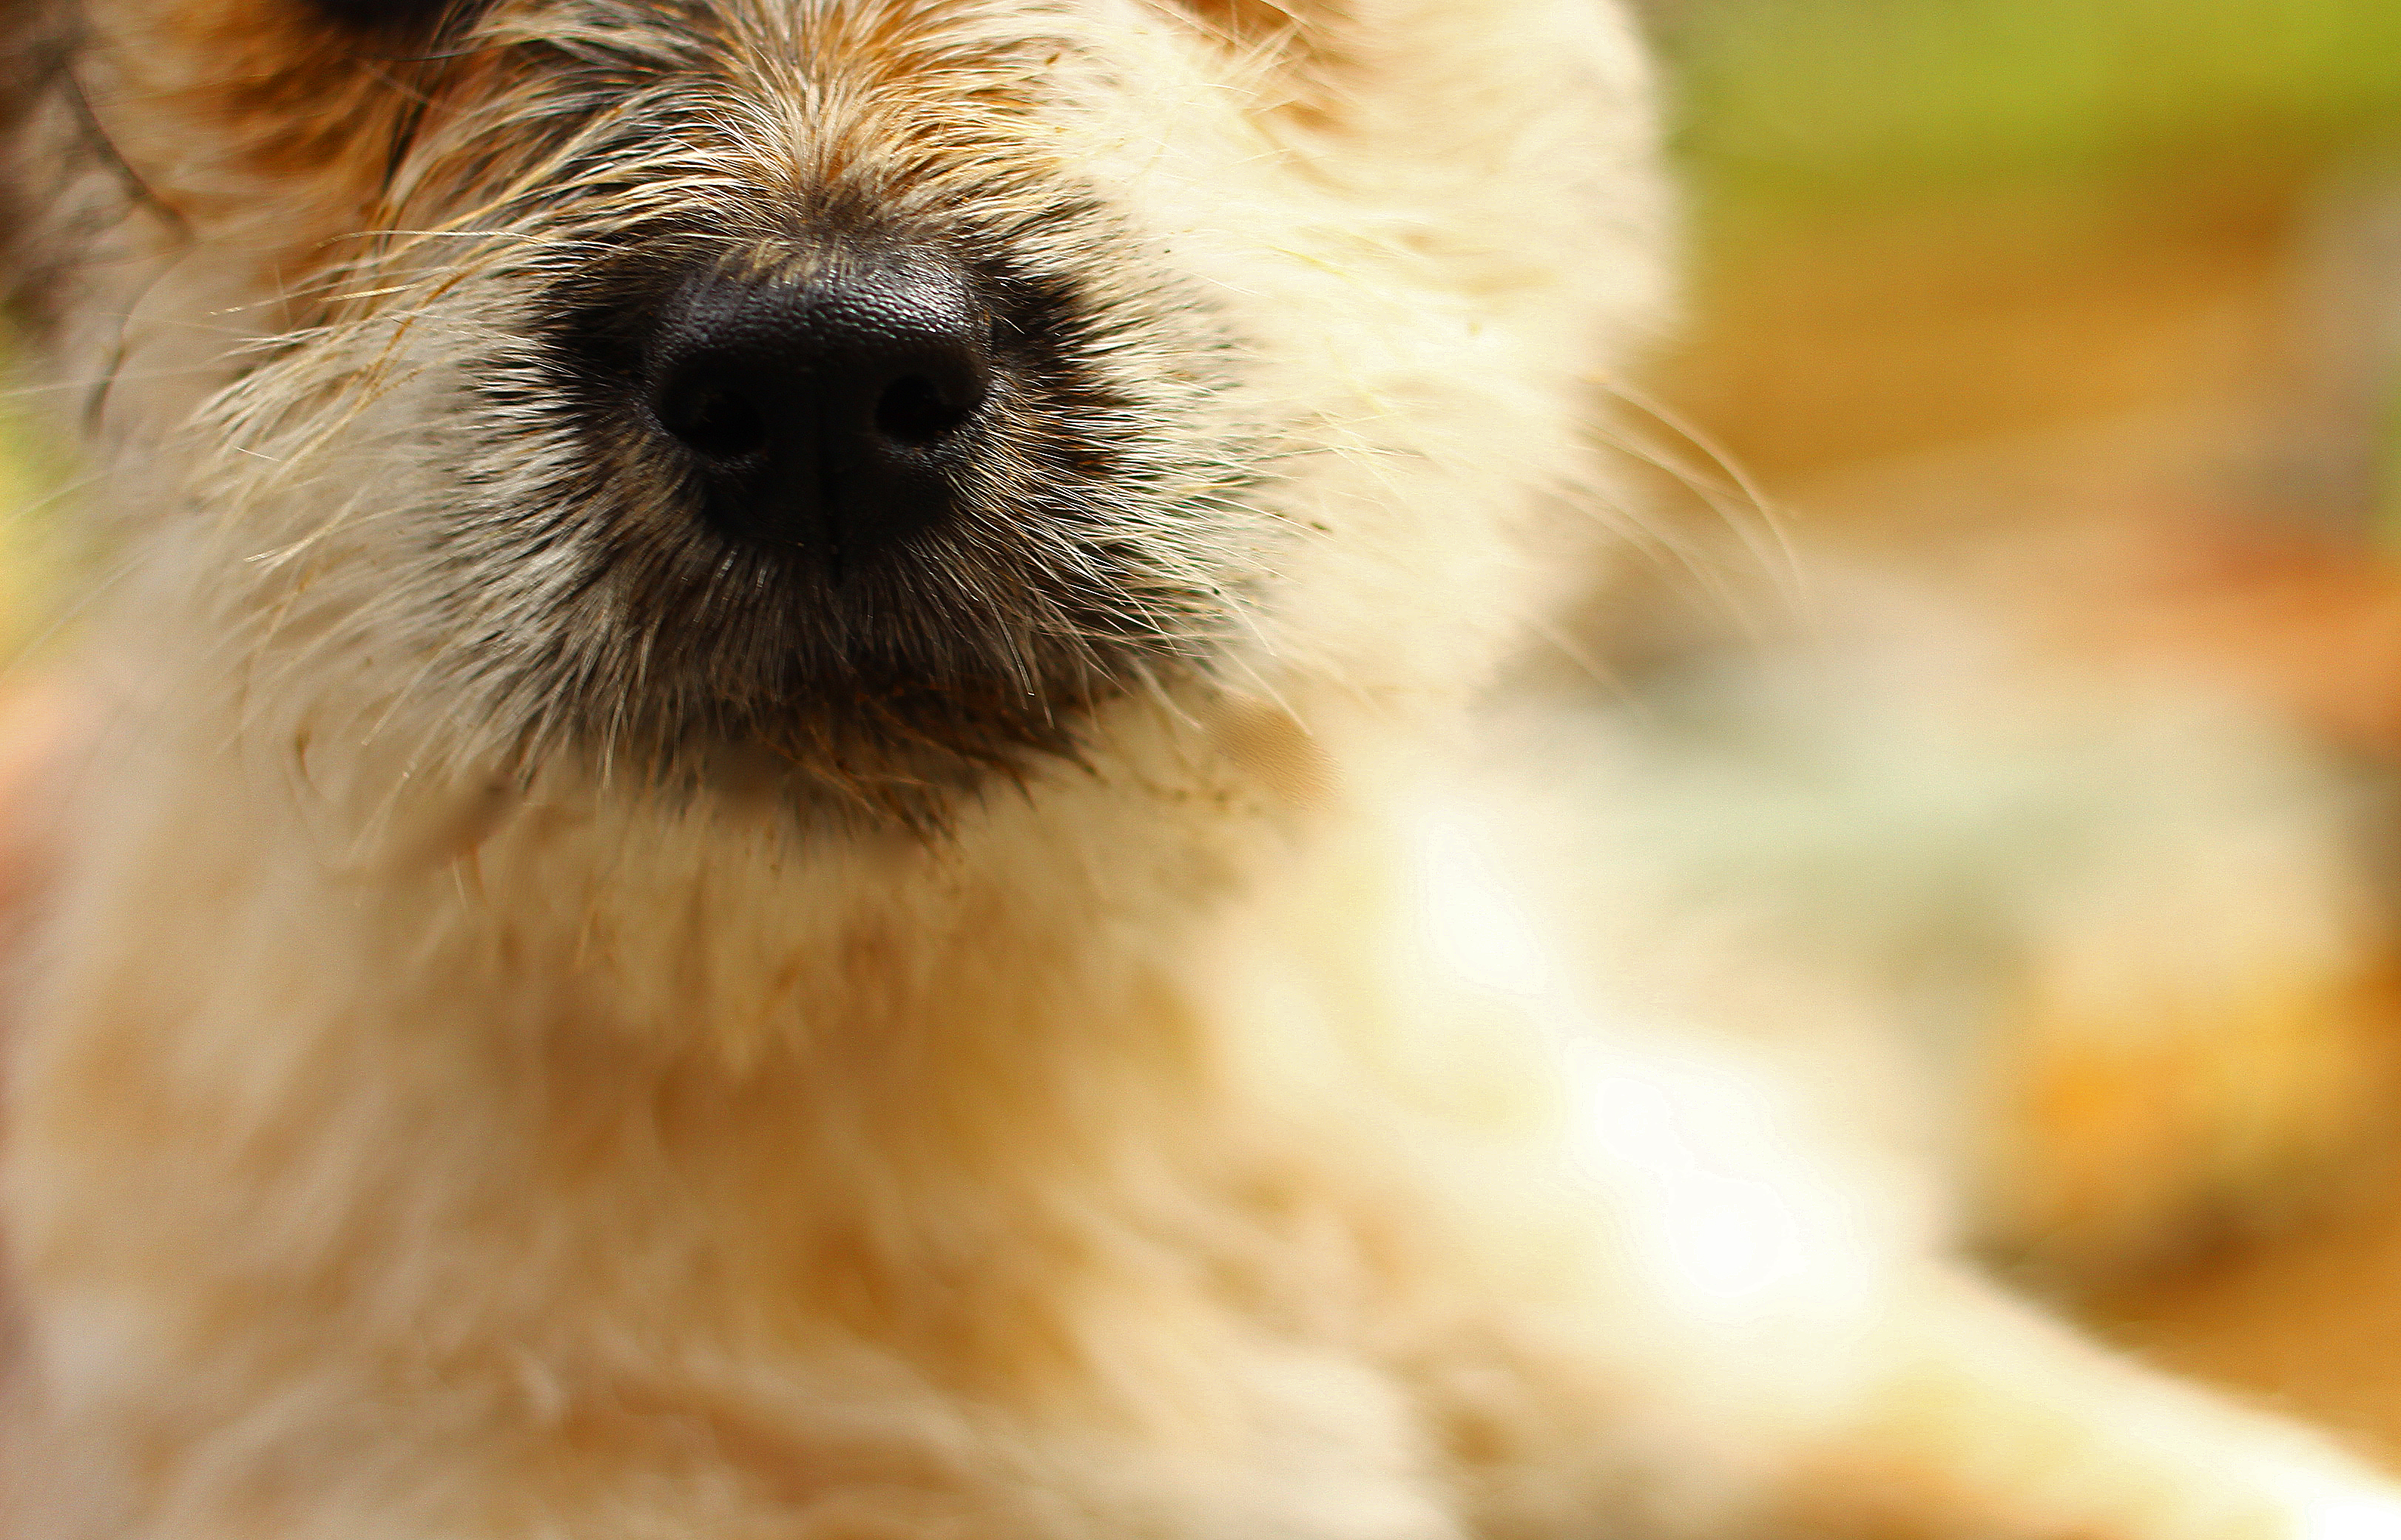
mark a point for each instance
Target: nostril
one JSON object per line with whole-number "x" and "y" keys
{"x": 716, "y": 419}
{"x": 917, "y": 411}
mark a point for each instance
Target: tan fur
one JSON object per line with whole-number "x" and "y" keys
{"x": 1106, "y": 1082}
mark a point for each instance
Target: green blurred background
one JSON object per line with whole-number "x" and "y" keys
{"x": 1801, "y": 106}
{"x": 1920, "y": 223}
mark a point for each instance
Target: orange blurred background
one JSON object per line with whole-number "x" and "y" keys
{"x": 2082, "y": 319}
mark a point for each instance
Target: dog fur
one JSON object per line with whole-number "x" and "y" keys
{"x": 553, "y": 1023}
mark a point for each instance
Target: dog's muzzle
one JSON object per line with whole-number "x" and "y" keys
{"x": 892, "y": 510}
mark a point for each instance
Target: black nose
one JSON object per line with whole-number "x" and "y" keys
{"x": 835, "y": 410}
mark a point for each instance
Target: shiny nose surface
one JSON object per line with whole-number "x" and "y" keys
{"x": 835, "y": 411}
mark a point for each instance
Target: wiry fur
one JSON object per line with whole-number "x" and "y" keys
{"x": 558, "y": 1025}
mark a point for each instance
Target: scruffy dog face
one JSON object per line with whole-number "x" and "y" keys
{"x": 849, "y": 396}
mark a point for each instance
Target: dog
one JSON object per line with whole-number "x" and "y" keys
{"x": 803, "y": 816}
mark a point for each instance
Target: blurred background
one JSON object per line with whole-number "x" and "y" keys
{"x": 2008, "y": 690}
{"x": 2013, "y": 687}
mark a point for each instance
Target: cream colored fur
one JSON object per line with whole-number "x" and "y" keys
{"x": 1196, "y": 1137}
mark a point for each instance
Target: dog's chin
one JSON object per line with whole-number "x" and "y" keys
{"x": 866, "y": 753}
{"x": 892, "y": 695}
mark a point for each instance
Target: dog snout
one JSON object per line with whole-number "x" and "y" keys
{"x": 837, "y": 412}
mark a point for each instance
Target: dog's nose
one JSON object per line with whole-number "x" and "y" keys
{"x": 833, "y": 411}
